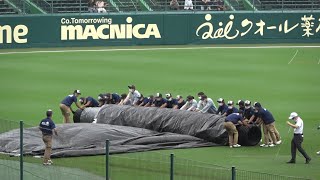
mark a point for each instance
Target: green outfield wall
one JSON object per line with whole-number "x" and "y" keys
{"x": 158, "y": 29}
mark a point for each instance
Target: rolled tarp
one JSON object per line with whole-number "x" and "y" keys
{"x": 205, "y": 126}
{"x": 202, "y": 125}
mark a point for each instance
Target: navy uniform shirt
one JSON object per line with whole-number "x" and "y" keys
{"x": 46, "y": 126}
{"x": 159, "y": 103}
{"x": 115, "y": 98}
{"x": 181, "y": 104}
{"x": 247, "y": 113}
{"x": 234, "y": 118}
{"x": 94, "y": 103}
{"x": 266, "y": 116}
{"x": 69, "y": 100}
{"x": 222, "y": 109}
{"x": 171, "y": 103}
{"x": 233, "y": 110}
{"x": 144, "y": 101}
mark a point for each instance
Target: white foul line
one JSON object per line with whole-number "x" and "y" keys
{"x": 155, "y": 49}
{"x": 293, "y": 57}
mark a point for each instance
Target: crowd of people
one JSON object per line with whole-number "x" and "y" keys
{"x": 245, "y": 113}
{"x": 204, "y": 5}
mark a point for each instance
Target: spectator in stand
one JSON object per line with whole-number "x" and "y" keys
{"x": 174, "y": 5}
{"x": 206, "y": 5}
{"x": 188, "y": 5}
{"x": 88, "y": 102}
{"x": 220, "y": 5}
{"x": 92, "y": 6}
{"x": 181, "y": 102}
{"x": 208, "y": 105}
{"x": 171, "y": 102}
{"x": 142, "y": 101}
{"x": 190, "y": 105}
{"x": 231, "y": 109}
{"x": 159, "y": 101}
{"x": 113, "y": 98}
{"x": 101, "y": 5}
{"x": 223, "y": 108}
{"x": 150, "y": 101}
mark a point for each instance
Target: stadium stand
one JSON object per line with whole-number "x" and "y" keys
{"x": 63, "y": 6}
{"x": 286, "y": 4}
{"x": 6, "y": 9}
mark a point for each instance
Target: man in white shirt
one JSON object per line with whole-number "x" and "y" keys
{"x": 190, "y": 105}
{"x": 297, "y": 138}
{"x": 133, "y": 95}
{"x": 188, "y": 5}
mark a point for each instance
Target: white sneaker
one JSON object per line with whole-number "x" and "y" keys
{"x": 236, "y": 145}
{"x": 231, "y": 146}
{"x": 47, "y": 164}
{"x": 50, "y": 161}
{"x": 262, "y": 145}
{"x": 278, "y": 142}
{"x": 318, "y": 152}
{"x": 272, "y": 145}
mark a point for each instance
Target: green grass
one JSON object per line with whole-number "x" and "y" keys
{"x": 33, "y": 83}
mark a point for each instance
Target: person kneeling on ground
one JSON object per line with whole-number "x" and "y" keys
{"x": 230, "y": 126}
{"x": 113, "y": 98}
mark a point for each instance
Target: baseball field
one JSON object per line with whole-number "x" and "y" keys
{"x": 282, "y": 78}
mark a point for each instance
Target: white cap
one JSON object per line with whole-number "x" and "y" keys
{"x": 77, "y": 91}
{"x": 168, "y": 95}
{"x": 230, "y": 102}
{"x": 220, "y": 100}
{"x": 293, "y": 115}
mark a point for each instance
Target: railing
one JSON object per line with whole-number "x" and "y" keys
{"x": 44, "y": 5}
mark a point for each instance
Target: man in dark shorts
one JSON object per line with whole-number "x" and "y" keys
{"x": 47, "y": 128}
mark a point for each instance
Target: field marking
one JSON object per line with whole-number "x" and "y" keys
{"x": 293, "y": 57}
{"x": 155, "y": 49}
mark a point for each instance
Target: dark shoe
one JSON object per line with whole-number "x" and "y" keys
{"x": 291, "y": 162}
{"x": 308, "y": 161}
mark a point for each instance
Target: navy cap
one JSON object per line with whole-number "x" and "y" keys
{"x": 257, "y": 104}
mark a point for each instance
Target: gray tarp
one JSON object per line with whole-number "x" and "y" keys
{"x": 89, "y": 139}
{"x": 202, "y": 125}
